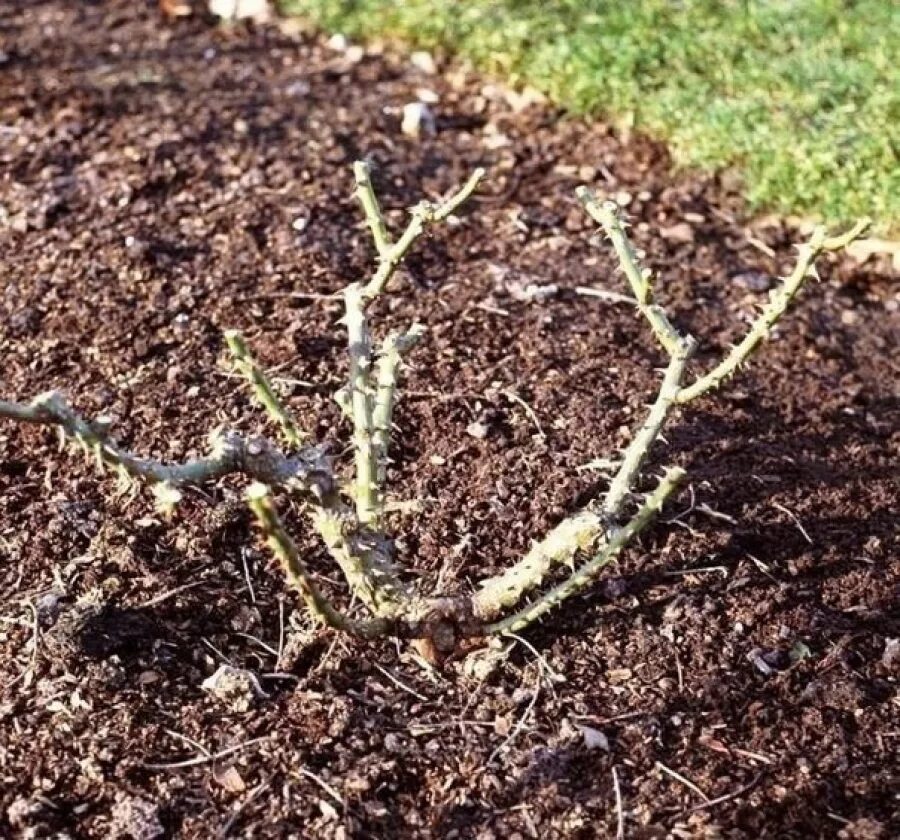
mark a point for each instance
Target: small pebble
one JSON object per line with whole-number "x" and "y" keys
{"x": 681, "y": 232}
{"x": 753, "y": 281}
{"x": 338, "y": 42}
{"x": 355, "y": 54}
{"x": 594, "y": 739}
{"x": 417, "y": 120}
{"x": 424, "y": 61}
{"x": 298, "y": 89}
{"x": 891, "y": 656}
{"x": 259, "y": 11}
{"x": 236, "y": 688}
{"x": 477, "y": 430}
{"x": 428, "y": 96}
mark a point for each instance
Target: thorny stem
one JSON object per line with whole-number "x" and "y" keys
{"x": 423, "y": 214}
{"x": 366, "y": 195}
{"x": 589, "y": 571}
{"x": 351, "y": 532}
{"x": 575, "y": 534}
{"x": 368, "y": 403}
{"x": 364, "y": 558}
{"x": 580, "y": 532}
{"x": 285, "y": 549}
{"x": 779, "y": 300}
{"x": 308, "y": 472}
{"x": 365, "y": 491}
{"x": 639, "y": 448}
{"x": 246, "y": 365}
{"x": 571, "y": 536}
{"x": 392, "y": 349}
{"x": 606, "y": 214}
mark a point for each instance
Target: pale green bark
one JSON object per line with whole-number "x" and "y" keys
{"x": 262, "y": 388}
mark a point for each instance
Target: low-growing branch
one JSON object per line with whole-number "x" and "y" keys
{"x": 578, "y": 533}
{"x": 307, "y": 473}
{"x": 617, "y": 540}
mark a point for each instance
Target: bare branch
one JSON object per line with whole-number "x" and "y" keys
{"x": 285, "y": 549}
{"x": 587, "y": 573}
{"x": 638, "y": 449}
{"x": 575, "y": 534}
{"x": 779, "y": 300}
{"x": 424, "y": 214}
{"x": 365, "y": 490}
{"x": 308, "y": 472}
{"x": 245, "y": 364}
{"x": 606, "y": 214}
{"x": 366, "y": 195}
{"x": 392, "y": 349}
{"x": 451, "y": 205}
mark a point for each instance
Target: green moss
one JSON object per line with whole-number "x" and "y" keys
{"x": 802, "y": 97}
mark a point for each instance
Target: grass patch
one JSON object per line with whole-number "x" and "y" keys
{"x": 802, "y": 98}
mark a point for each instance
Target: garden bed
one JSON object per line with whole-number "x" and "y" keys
{"x": 160, "y": 183}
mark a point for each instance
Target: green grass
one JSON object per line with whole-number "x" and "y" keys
{"x": 802, "y": 97}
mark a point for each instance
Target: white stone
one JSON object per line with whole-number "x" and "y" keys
{"x": 417, "y": 120}
{"x": 235, "y": 687}
{"x": 259, "y": 11}
{"x": 424, "y": 61}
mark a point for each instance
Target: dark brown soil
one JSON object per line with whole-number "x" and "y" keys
{"x": 159, "y": 183}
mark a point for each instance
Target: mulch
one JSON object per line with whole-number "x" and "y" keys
{"x": 735, "y": 675}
